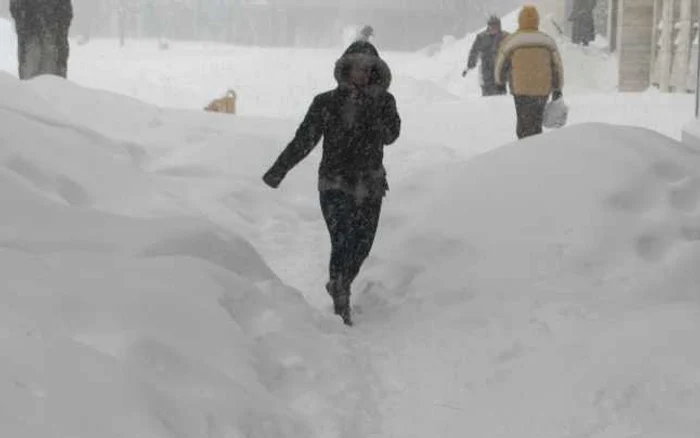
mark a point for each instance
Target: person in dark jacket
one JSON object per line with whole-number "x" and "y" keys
{"x": 356, "y": 120}
{"x": 485, "y": 47}
{"x": 42, "y": 36}
{"x": 583, "y": 23}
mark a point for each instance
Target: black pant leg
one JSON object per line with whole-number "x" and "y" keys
{"x": 63, "y": 52}
{"x": 336, "y": 208}
{"x": 538, "y": 106}
{"x": 364, "y": 229}
{"x": 493, "y": 90}
{"x": 520, "y": 108}
{"x": 530, "y": 113}
{"x": 352, "y": 226}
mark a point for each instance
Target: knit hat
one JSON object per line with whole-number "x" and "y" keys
{"x": 529, "y": 18}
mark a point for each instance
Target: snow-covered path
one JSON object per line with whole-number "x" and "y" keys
{"x": 533, "y": 306}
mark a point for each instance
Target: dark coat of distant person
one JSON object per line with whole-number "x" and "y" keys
{"x": 42, "y": 36}
{"x": 583, "y": 22}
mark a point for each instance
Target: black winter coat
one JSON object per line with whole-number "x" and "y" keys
{"x": 41, "y": 15}
{"x": 355, "y": 127}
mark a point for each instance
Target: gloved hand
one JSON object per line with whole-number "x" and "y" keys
{"x": 273, "y": 178}
{"x": 557, "y": 94}
{"x": 464, "y": 72}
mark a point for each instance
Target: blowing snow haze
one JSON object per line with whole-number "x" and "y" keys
{"x": 152, "y": 284}
{"x": 398, "y": 24}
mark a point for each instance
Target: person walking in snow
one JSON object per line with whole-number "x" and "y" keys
{"x": 485, "y": 47}
{"x": 356, "y": 120}
{"x": 42, "y": 36}
{"x": 532, "y": 61}
{"x": 583, "y": 30}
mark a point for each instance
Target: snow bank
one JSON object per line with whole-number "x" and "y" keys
{"x": 125, "y": 310}
{"x": 550, "y": 286}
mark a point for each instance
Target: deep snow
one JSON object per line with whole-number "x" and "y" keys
{"x": 549, "y": 288}
{"x": 127, "y": 312}
{"x": 543, "y": 288}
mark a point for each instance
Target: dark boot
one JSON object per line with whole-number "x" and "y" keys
{"x": 341, "y": 300}
{"x": 341, "y": 306}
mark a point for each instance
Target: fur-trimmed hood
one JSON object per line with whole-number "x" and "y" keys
{"x": 364, "y": 52}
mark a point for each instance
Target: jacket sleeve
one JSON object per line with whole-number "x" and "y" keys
{"x": 557, "y": 71}
{"x": 305, "y": 140}
{"x": 390, "y": 122}
{"x": 475, "y": 51}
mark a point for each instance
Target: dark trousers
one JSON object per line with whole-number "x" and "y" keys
{"x": 493, "y": 90}
{"x": 530, "y": 111}
{"x": 352, "y": 225}
{"x": 45, "y": 53}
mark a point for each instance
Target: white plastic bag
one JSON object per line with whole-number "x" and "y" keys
{"x": 556, "y": 114}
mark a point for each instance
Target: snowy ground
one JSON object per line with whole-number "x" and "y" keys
{"x": 154, "y": 287}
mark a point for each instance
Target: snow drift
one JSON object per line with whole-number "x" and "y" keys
{"x": 550, "y": 286}
{"x": 544, "y": 288}
{"x": 126, "y": 312}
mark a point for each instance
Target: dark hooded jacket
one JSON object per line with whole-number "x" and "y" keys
{"x": 355, "y": 129}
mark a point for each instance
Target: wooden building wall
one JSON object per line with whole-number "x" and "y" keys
{"x": 635, "y": 39}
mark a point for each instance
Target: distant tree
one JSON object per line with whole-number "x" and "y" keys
{"x": 42, "y": 36}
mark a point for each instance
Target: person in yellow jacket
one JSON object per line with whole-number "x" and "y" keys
{"x": 530, "y": 60}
